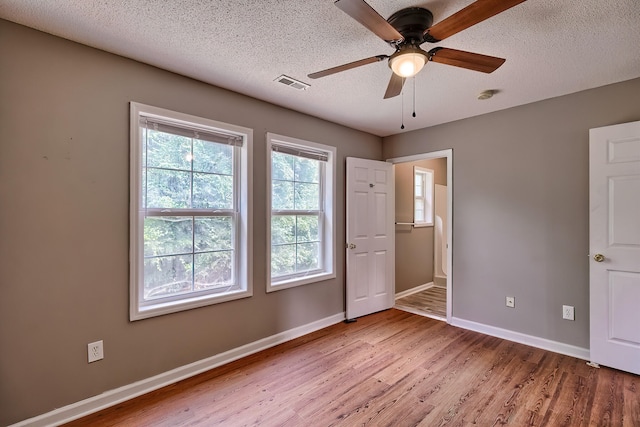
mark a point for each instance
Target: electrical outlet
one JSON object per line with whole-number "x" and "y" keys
{"x": 511, "y": 302}
{"x": 95, "y": 351}
{"x": 567, "y": 312}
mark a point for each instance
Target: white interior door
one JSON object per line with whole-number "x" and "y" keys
{"x": 370, "y": 237}
{"x": 614, "y": 230}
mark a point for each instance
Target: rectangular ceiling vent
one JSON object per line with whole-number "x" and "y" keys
{"x": 291, "y": 82}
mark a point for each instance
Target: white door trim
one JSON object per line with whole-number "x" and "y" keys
{"x": 447, "y": 154}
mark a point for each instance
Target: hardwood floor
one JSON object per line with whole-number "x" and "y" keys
{"x": 391, "y": 368}
{"x": 430, "y": 302}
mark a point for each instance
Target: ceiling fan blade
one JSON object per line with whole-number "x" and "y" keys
{"x": 395, "y": 86}
{"x": 468, "y": 60}
{"x": 367, "y": 16}
{"x": 471, "y": 15}
{"x": 348, "y": 66}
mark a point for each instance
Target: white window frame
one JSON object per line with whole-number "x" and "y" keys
{"x": 242, "y": 212}
{"x": 427, "y": 194}
{"x": 327, "y": 208}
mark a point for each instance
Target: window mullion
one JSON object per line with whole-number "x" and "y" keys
{"x": 235, "y": 235}
{"x": 295, "y": 263}
{"x": 189, "y": 212}
{"x": 193, "y": 228}
{"x": 294, "y": 212}
{"x": 141, "y": 219}
{"x": 146, "y": 167}
{"x": 321, "y": 218}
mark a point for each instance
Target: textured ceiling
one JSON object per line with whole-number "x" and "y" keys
{"x": 552, "y": 48}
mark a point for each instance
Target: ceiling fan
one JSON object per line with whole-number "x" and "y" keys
{"x": 408, "y": 28}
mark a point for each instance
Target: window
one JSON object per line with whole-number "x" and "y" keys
{"x": 189, "y": 220}
{"x": 422, "y": 197}
{"x": 301, "y": 187}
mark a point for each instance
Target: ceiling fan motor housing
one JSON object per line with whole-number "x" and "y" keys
{"x": 411, "y": 22}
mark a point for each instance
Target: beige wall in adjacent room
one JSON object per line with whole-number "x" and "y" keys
{"x": 414, "y": 245}
{"x": 64, "y": 224}
{"x": 521, "y": 208}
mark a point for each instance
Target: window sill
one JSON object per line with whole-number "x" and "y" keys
{"x": 162, "y": 308}
{"x": 299, "y": 281}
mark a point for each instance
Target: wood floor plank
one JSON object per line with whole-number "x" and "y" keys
{"x": 483, "y": 397}
{"x": 400, "y": 406}
{"x": 571, "y": 399}
{"x": 478, "y": 375}
{"x": 340, "y": 383}
{"x": 391, "y": 369}
{"x": 541, "y": 393}
{"x": 431, "y": 301}
{"x": 607, "y": 409}
{"x": 631, "y": 394}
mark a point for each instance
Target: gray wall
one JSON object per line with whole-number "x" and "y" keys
{"x": 520, "y": 207}
{"x": 520, "y": 218}
{"x": 414, "y": 246}
{"x": 64, "y": 191}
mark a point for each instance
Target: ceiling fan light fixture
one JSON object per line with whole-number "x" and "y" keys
{"x": 408, "y": 62}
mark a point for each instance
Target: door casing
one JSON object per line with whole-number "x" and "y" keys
{"x": 447, "y": 154}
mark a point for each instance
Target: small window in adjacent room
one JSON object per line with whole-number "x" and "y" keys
{"x": 423, "y": 197}
{"x": 301, "y": 190}
{"x": 189, "y": 221}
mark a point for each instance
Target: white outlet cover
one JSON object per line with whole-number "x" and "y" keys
{"x": 568, "y": 312}
{"x": 95, "y": 351}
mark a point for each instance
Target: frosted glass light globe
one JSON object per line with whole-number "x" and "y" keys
{"x": 409, "y": 63}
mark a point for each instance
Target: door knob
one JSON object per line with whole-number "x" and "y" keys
{"x": 351, "y": 246}
{"x": 598, "y": 257}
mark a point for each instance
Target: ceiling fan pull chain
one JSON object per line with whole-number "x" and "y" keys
{"x": 402, "y": 105}
{"x": 414, "y": 96}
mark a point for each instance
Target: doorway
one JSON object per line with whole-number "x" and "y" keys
{"x": 423, "y": 233}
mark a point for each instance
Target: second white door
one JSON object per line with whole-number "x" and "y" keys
{"x": 614, "y": 193}
{"x": 370, "y": 237}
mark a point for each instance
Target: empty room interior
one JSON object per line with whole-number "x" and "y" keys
{"x": 320, "y": 213}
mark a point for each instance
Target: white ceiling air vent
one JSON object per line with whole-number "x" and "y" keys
{"x": 289, "y": 81}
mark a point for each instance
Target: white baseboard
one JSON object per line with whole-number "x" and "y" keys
{"x": 414, "y": 290}
{"x": 543, "y": 343}
{"x": 113, "y": 397}
{"x": 440, "y": 281}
